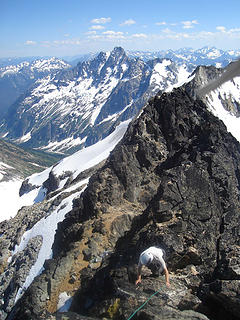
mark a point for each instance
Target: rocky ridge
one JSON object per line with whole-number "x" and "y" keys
{"x": 173, "y": 181}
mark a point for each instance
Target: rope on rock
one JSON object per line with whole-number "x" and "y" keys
{"x": 143, "y": 304}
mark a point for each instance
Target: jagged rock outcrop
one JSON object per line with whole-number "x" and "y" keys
{"x": 173, "y": 181}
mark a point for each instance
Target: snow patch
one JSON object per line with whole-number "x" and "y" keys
{"x": 215, "y": 53}
{"x": 63, "y": 144}
{"x": 160, "y": 71}
{"x": 91, "y": 156}
{"x": 46, "y": 228}
{"x": 24, "y": 138}
{"x": 229, "y": 90}
{"x": 11, "y": 202}
{"x": 64, "y": 302}
{"x": 183, "y": 77}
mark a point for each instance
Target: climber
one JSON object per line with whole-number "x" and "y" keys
{"x": 153, "y": 259}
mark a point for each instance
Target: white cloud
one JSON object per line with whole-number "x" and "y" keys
{"x": 161, "y": 23}
{"x": 91, "y": 32}
{"x": 95, "y": 36}
{"x": 113, "y": 34}
{"x": 66, "y": 42}
{"x": 30, "y": 42}
{"x": 189, "y": 24}
{"x": 128, "y": 22}
{"x": 204, "y": 35}
{"x": 139, "y": 35}
{"x": 167, "y": 30}
{"x": 97, "y": 27}
{"x": 101, "y": 20}
{"x": 234, "y": 30}
{"x": 221, "y": 28}
{"x": 233, "y": 33}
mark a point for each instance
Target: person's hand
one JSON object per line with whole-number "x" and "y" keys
{"x": 138, "y": 281}
{"x": 168, "y": 284}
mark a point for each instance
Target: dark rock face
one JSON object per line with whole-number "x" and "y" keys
{"x": 174, "y": 182}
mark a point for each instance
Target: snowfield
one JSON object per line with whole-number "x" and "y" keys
{"x": 230, "y": 90}
{"x": 46, "y": 228}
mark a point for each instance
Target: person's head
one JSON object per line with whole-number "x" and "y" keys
{"x": 146, "y": 259}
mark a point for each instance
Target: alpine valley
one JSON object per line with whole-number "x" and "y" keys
{"x": 147, "y": 161}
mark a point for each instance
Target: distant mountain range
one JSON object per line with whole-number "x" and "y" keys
{"x": 16, "y": 79}
{"x": 204, "y": 56}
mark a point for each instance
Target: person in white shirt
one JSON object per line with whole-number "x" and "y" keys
{"x": 151, "y": 257}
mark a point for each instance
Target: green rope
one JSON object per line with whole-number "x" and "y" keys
{"x": 143, "y": 305}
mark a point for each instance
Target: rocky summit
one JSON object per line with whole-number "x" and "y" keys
{"x": 173, "y": 181}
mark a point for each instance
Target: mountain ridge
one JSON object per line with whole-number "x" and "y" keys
{"x": 173, "y": 181}
{"x": 203, "y": 56}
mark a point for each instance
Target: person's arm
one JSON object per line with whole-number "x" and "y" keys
{"x": 139, "y": 277}
{"x": 167, "y": 277}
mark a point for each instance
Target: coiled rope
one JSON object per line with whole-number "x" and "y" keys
{"x": 143, "y": 304}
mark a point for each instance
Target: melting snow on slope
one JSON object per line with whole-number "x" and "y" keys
{"x": 63, "y": 144}
{"x": 89, "y": 157}
{"x": 183, "y": 76}
{"x": 11, "y": 202}
{"x": 64, "y": 302}
{"x": 46, "y": 228}
{"x": 228, "y": 90}
{"x": 160, "y": 72}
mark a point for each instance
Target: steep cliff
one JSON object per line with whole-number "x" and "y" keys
{"x": 173, "y": 181}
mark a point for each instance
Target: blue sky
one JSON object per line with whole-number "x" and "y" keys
{"x": 71, "y": 27}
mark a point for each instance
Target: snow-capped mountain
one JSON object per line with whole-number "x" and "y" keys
{"x": 80, "y": 106}
{"x": 203, "y": 56}
{"x": 16, "y": 79}
{"x": 4, "y": 62}
{"x": 37, "y": 66}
